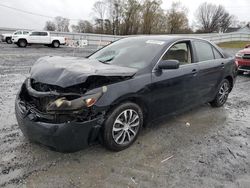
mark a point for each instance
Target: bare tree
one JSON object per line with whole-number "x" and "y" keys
{"x": 149, "y": 14}
{"x": 100, "y": 9}
{"x": 83, "y": 26}
{"x": 131, "y": 17}
{"x": 177, "y": 20}
{"x": 62, "y": 24}
{"x": 212, "y": 18}
{"x": 50, "y": 26}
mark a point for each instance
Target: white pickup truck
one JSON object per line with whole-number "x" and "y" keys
{"x": 38, "y": 37}
{"x": 6, "y": 37}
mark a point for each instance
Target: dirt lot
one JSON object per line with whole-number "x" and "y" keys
{"x": 214, "y": 151}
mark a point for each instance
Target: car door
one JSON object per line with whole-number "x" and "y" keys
{"x": 34, "y": 37}
{"x": 44, "y": 38}
{"x": 173, "y": 90}
{"x": 211, "y": 65}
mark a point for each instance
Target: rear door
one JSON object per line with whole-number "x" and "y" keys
{"x": 34, "y": 37}
{"x": 44, "y": 38}
{"x": 211, "y": 65}
{"x": 173, "y": 90}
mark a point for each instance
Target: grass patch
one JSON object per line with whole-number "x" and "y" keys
{"x": 233, "y": 44}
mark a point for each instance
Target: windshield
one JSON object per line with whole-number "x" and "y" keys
{"x": 130, "y": 52}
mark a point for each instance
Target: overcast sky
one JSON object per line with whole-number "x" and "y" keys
{"x": 82, "y": 9}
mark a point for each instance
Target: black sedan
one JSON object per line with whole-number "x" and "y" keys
{"x": 68, "y": 103}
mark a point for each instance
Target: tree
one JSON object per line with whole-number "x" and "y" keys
{"x": 176, "y": 18}
{"x": 62, "y": 24}
{"x": 50, "y": 26}
{"x": 212, "y": 18}
{"x": 149, "y": 14}
{"x": 131, "y": 17}
{"x": 83, "y": 26}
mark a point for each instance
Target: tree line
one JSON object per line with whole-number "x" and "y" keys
{"x": 131, "y": 17}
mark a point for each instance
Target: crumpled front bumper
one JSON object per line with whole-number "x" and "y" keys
{"x": 63, "y": 137}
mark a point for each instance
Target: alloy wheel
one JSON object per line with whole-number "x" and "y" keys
{"x": 126, "y": 127}
{"x": 223, "y": 92}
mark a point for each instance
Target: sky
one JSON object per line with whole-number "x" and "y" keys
{"x": 82, "y": 9}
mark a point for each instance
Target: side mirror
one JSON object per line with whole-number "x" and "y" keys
{"x": 169, "y": 64}
{"x": 247, "y": 46}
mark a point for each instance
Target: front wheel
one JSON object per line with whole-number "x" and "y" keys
{"x": 122, "y": 126}
{"x": 222, "y": 94}
{"x": 22, "y": 43}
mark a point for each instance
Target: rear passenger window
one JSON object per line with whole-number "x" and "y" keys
{"x": 204, "y": 51}
{"x": 217, "y": 54}
{"x": 43, "y": 33}
{"x": 35, "y": 34}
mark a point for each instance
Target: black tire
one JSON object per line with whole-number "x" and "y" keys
{"x": 56, "y": 44}
{"x": 222, "y": 94}
{"x": 128, "y": 133}
{"x": 8, "y": 40}
{"x": 22, "y": 43}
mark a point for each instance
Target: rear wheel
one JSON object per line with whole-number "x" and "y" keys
{"x": 122, "y": 126}
{"x": 56, "y": 44}
{"x": 8, "y": 40}
{"x": 22, "y": 43}
{"x": 222, "y": 94}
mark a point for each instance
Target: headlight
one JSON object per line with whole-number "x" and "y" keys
{"x": 63, "y": 104}
{"x": 239, "y": 55}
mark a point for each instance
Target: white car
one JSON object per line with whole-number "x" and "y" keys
{"x": 6, "y": 37}
{"x": 38, "y": 37}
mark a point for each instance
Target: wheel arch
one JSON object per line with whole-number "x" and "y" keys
{"x": 56, "y": 40}
{"x": 231, "y": 82}
{"x": 134, "y": 99}
{"x": 22, "y": 39}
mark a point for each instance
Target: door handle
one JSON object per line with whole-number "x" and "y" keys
{"x": 194, "y": 72}
{"x": 222, "y": 65}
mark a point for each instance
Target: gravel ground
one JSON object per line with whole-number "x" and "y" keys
{"x": 211, "y": 150}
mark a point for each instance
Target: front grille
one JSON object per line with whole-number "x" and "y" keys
{"x": 246, "y": 56}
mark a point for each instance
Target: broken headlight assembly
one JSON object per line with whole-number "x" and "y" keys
{"x": 66, "y": 104}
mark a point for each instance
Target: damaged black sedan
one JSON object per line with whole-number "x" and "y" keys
{"x": 68, "y": 103}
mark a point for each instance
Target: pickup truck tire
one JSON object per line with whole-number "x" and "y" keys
{"x": 8, "y": 40}
{"x": 56, "y": 44}
{"x": 22, "y": 43}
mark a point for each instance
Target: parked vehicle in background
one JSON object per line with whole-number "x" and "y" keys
{"x": 242, "y": 58}
{"x": 69, "y": 102}
{"x": 6, "y": 37}
{"x": 38, "y": 37}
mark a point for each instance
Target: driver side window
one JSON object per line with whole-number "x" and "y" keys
{"x": 181, "y": 52}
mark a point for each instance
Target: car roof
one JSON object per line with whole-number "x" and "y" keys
{"x": 165, "y": 38}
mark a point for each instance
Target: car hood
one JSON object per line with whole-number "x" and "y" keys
{"x": 245, "y": 51}
{"x": 69, "y": 71}
{"x": 7, "y": 34}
